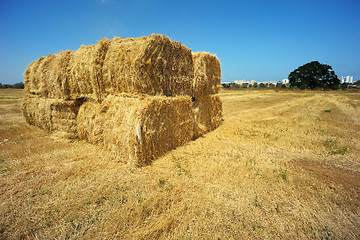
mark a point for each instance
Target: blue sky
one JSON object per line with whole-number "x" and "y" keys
{"x": 258, "y": 40}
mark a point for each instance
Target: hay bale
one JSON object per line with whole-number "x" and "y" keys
{"x": 151, "y": 65}
{"x": 137, "y": 129}
{"x": 68, "y": 75}
{"x": 37, "y": 111}
{"x": 85, "y": 71}
{"x": 207, "y": 114}
{"x": 207, "y": 74}
{"x": 57, "y": 78}
{"x": 36, "y": 76}
{"x": 52, "y": 114}
{"x": 63, "y": 117}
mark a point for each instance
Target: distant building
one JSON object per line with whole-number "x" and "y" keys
{"x": 270, "y": 82}
{"x": 285, "y": 81}
{"x": 240, "y": 82}
{"x": 347, "y": 79}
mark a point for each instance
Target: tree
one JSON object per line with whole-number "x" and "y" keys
{"x": 314, "y": 75}
{"x": 19, "y": 85}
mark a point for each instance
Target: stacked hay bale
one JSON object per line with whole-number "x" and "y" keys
{"x": 137, "y": 97}
{"x": 206, "y": 84}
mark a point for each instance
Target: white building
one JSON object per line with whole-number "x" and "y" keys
{"x": 347, "y": 79}
{"x": 270, "y": 82}
{"x": 240, "y": 82}
{"x": 285, "y": 81}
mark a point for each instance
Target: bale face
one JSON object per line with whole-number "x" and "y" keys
{"x": 207, "y": 114}
{"x": 57, "y": 78}
{"x": 207, "y": 74}
{"x": 150, "y": 65}
{"x": 52, "y": 114}
{"x": 37, "y": 111}
{"x": 85, "y": 71}
{"x": 137, "y": 129}
{"x": 37, "y": 74}
{"x": 63, "y": 117}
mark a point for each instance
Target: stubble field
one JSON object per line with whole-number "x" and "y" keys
{"x": 282, "y": 165}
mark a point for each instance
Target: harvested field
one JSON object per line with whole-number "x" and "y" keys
{"x": 282, "y": 165}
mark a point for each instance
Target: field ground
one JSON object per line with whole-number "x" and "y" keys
{"x": 283, "y": 165}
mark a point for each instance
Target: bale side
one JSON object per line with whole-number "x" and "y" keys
{"x": 207, "y": 74}
{"x": 208, "y": 114}
{"x": 137, "y": 130}
{"x": 152, "y": 65}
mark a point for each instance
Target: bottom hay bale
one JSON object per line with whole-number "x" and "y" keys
{"x": 137, "y": 129}
{"x": 63, "y": 117}
{"x": 37, "y": 111}
{"x": 52, "y": 114}
{"x": 207, "y": 114}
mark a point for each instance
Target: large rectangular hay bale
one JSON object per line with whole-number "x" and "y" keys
{"x": 137, "y": 129}
{"x": 64, "y": 117}
{"x": 152, "y": 65}
{"x": 208, "y": 114}
{"x": 37, "y": 111}
{"x": 37, "y": 74}
{"x": 52, "y": 114}
{"x": 207, "y": 74}
{"x": 85, "y": 71}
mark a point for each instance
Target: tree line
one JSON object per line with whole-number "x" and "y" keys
{"x": 19, "y": 85}
{"x": 312, "y": 75}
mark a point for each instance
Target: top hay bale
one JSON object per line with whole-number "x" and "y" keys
{"x": 149, "y": 65}
{"x": 152, "y": 65}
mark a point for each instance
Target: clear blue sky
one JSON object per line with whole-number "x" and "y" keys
{"x": 256, "y": 39}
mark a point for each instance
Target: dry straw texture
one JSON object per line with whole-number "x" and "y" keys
{"x": 143, "y": 96}
{"x": 53, "y": 115}
{"x": 137, "y": 129}
{"x": 151, "y": 65}
{"x": 85, "y": 71}
{"x": 281, "y": 166}
{"x": 37, "y": 111}
{"x": 207, "y": 74}
{"x": 207, "y": 114}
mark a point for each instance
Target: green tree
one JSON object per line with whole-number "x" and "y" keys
{"x": 314, "y": 75}
{"x": 19, "y": 85}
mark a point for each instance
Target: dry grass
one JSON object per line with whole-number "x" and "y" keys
{"x": 282, "y": 165}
